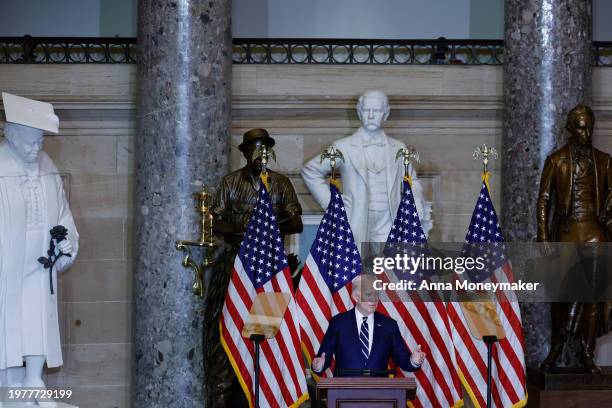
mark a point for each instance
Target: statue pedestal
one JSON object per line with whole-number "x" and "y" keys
{"x": 565, "y": 388}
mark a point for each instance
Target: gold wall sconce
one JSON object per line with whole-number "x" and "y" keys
{"x": 207, "y": 242}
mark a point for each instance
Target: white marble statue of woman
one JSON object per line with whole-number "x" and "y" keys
{"x": 371, "y": 175}
{"x": 32, "y": 202}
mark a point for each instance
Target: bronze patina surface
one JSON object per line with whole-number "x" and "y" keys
{"x": 577, "y": 183}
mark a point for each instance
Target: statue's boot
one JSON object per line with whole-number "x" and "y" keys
{"x": 588, "y": 335}
{"x": 589, "y": 364}
{"x": 550, "y": 362}
{"x": 221, "y": 379}
{"x": 559, "y": 313}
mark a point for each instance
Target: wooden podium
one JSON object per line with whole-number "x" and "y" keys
{"x": 366, "y": 392}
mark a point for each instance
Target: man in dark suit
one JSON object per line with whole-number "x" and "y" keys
{"x": 362, "y": 339}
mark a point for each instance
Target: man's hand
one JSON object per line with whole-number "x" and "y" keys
{"x": 318, "y": 363}
{"x": 418, "y": 356}
{"x": 65, "y": 246}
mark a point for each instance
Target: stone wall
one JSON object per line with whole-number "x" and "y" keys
{"x": 444, "y": 112}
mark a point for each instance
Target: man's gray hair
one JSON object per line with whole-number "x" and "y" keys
{"x": 374, "y": 94}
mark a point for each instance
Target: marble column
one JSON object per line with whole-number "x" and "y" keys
{"x": 182, "y": 143}
{"x": 547, "y": 71}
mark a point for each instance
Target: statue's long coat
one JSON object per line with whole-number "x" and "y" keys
{"x": 12, "y": 247}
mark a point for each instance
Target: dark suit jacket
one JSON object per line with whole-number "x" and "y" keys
{"x": 342, "y": 341}
{"x": 556, "y": 185}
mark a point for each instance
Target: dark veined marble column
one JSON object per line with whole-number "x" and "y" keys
{"x": 547, "y": 71}
{"x": 182, "y": 143}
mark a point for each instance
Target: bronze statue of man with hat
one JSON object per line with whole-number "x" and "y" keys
{"x": 232, "y": 208}
{"x": 577, "y": 183}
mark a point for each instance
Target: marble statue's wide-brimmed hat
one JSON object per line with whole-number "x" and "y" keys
{"x": 254, "y": 135}
{"x": 28, "y": 112}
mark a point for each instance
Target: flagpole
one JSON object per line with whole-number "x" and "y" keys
{"x": 489, "y": 340}
{"x": 257, "y": 339}
{"x": 264, "y": 153}
{"x": 486, "y": 153}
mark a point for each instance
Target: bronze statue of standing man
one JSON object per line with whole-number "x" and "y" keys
{"x": 232, "y": 208}
{"x": 577, "y": 178}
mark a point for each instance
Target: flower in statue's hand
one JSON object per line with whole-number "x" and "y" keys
{"x": 58, "y": 233}
{"x": 58, "y": 236}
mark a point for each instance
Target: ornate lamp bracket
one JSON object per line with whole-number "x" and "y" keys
{"x": 207, "y": 242}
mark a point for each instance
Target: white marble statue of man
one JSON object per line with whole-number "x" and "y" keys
{"x": 371, "y": 175}
{"x": 32, "y": 202}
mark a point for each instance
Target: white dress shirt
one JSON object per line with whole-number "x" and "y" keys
{"x": 370, "y": 323}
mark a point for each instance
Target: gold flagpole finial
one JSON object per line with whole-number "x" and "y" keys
{"x": 485, "y": 153}
{"x": 332, "y": 153}
{"x": 265, "y": 153}
{"x": 409, "y": 155}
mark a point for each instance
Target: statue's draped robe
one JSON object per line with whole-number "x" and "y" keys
{"x": 13, "y": 263}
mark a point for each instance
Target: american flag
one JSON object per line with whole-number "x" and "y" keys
{"x": 424, "y": 323}
{"x": 261, "y": 266}
{"x": 484, "y": 237}
{"x": 332, "y": 264}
